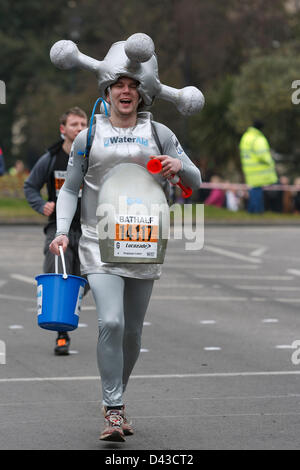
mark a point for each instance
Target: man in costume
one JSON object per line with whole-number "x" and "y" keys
{"x": 128, "y": 80}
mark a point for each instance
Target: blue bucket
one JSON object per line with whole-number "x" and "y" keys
{"x": 59, "y": 299}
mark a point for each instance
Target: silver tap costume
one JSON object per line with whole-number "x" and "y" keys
{"x": 121, "y": 291}
{"x": 112, "y": 146}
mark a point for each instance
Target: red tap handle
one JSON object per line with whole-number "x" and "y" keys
{"x": 186, "y": 191}
{"x": 154, "y": 166}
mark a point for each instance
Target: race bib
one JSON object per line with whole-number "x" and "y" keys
{"x": 136, "y": 236}
{"x": 59, "y": 179}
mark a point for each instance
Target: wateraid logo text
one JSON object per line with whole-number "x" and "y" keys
{"x": 125, "y": 140}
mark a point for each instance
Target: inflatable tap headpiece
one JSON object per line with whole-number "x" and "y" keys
{"x": 134, "y": 58}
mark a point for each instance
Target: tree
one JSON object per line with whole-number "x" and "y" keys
{"x": 199, "y": 43}
{"x": 26, "y": 32}
{"x": 214, "y": 140}
{"x": 264, "y": 90}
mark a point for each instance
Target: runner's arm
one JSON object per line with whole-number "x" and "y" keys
{"x": 68, "y": 195}
{"x": 34, "y": 183}
{"x": 189, "y": 173}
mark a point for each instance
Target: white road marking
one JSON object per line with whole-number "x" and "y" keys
{"x": 285, "y": 346}
{"x": 230, "y": 254}
{"x": 240, "y": 397}
{"x": 144, "y": 350}
{"x": 22, "y": 264}
{"x": 208, "y": 322}
{"x": 270, "y": 320}
{"x": 186, "y": 256}
{"x": 275, "y": 288}
{"x": 173, "y": 399}
{"x": 243, "y": 276}
{"x": 192, "y": 297}
{"x": 82, "y": 325}
{"x": 212, "y": 348}
{"x": 157, "y": 376}
{"x": 19, "y": 299}
{"x": 221, "y": 299}
{"x": 216, "y": 415}
{"x": 259, "y": 251}
{"x": 177, "y": 286}
{"x": 233, "y": 243}
{"x": 199, "y": 265}
{"x": 295, "y": 272}
{"x": 16, "y": 327}
{"x": 147, "y": 323}
{"x": 20, "y": 277}
{"x": 173, "y": 297}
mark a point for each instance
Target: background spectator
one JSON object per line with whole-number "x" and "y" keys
{"x": 2, "y": 165}
{"x": 216, "y": 196}
{"x": 234, "y": 198}
{"x": 258, "y": 166}
{"x": 19, "y": 169}
{"x": 297, "y": 196}
{"x": 286, "y": 197}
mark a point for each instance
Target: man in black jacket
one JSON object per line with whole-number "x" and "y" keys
{"x": 50, "y": 169}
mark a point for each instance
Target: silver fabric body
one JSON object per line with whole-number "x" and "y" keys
{"x": 121, "y": 306}
{"x": 121, "y": 299}
{"x": 134, "y": 216}
{"x": 112, "y": 155}
{"x": 104, "y": 156}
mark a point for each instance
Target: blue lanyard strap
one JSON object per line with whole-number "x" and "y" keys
{"x": 88, "y": 146}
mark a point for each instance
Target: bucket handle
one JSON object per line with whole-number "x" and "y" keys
{"x": 65, "y": 276}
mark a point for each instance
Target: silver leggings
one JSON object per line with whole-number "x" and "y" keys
{"x": 121, "y": 304}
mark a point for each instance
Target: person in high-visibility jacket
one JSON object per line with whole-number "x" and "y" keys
{"x": 257, "y": 164}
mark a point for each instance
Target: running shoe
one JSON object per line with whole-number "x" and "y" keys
{"x": 62, "y": 344}
{"x": 126, "y": 426}
{"x": 113, "y": 426}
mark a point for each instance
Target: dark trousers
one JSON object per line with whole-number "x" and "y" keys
{"x": 71, "y": 254}
{"x": 256, "y": 201}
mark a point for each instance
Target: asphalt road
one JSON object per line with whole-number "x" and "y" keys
{"x": 219, "y": 366}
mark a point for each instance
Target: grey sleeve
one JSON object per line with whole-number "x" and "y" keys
{"x": 36, "y": 180}
{"x": 190, "y": 175}
{"x": 68, "y": 195}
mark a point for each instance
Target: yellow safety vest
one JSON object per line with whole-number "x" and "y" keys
{"x": 257, "y": 162}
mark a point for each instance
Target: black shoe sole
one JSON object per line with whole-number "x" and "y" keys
{"x": 115, "y": 436}
{"x": 61, "y": 351}
{"x": 128, "y": 433}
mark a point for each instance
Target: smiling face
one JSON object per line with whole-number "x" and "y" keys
{"x": 124, "y": 96}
